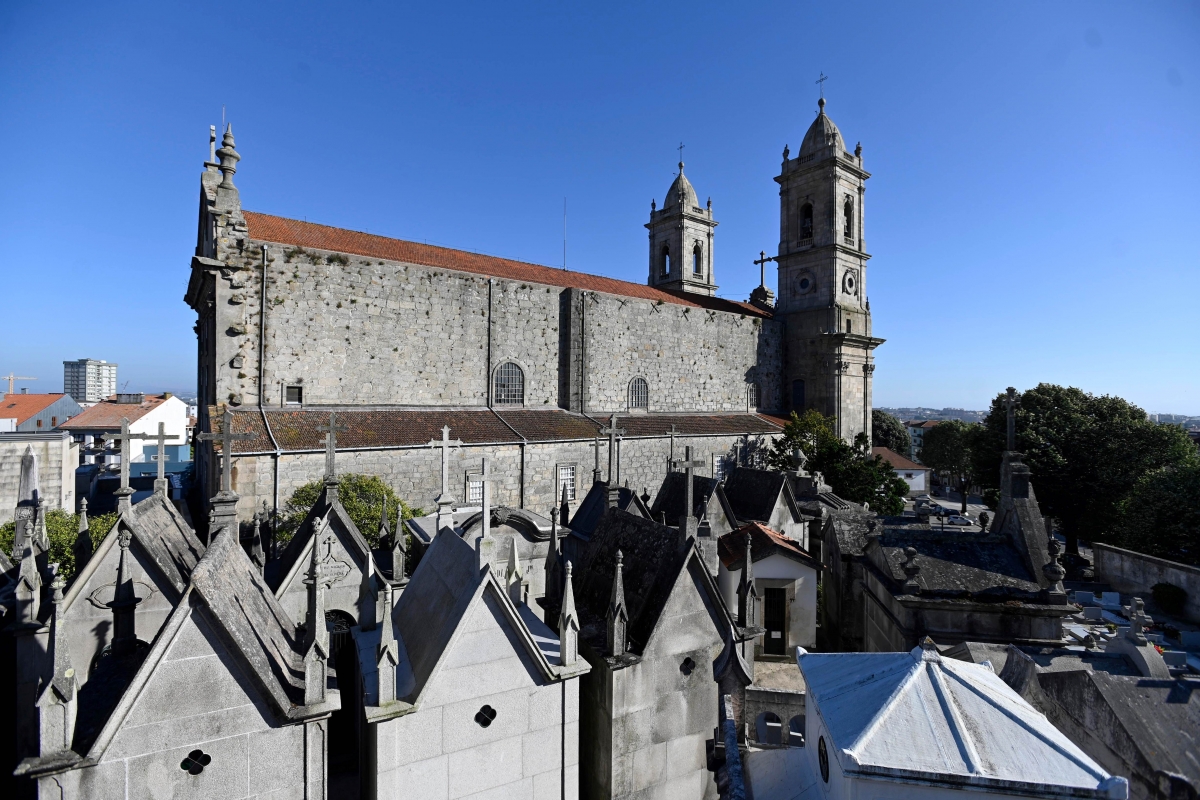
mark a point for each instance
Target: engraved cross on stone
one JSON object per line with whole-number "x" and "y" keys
{"x": 612, "y": 432}
{"x": 688, "y": 465}
{"x": 160, "y": 483}
{"x": 331, "y": 431}
{"x": 444, "y": 444}
{"x": 125, "y": 438}
{"x": 226, "y": 437}
{"x": 1010, "y": 403}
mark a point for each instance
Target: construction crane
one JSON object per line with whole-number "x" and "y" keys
{"x": 11, "y": 378}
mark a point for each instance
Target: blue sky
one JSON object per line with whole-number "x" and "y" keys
{"x": 1033, "y": 215}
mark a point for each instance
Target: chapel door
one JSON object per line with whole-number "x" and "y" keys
{"x": 775, "y": 621}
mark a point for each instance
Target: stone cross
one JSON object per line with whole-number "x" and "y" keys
{"x": 331, "y": 431}
{"x": 125, "y": 438}
{"x": 160, "y": 483}
{"x": 1010, "y": 404}
{"x": 612, "y": 432}
{"x": 762, "y": 260}
{"x": 1137, "y": 621}
{"x": 444, "y": 444}
{"x": 596, "y": 453}
{"x": 226, "y": 437}
{"x": 688, "y": 465}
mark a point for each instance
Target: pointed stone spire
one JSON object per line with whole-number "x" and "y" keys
{"x": 254, "y": 545}
{"x": 28, "y": 591}
{"x": 618, "y": 614}
{"x": 385, "y": 529}
{"x": 83, "y": 546}
{"x": 747, "y": 593}
{"x": 316, "y": 634}
{"x": 368, "y": 603}
{"x": 396, "y": 540}
{"x": 57, "y": 707}
{"x": 568, "y": 624}
{"x": 388, "y": 654}
{"x": 125, "y": 600}
{"x": 514, "y": 579}
{"x": 553, "y": 562}
{"x": 229, "y": 158}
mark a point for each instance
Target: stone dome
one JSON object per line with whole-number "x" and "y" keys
{"x": 821, "y": 134}
{"x": 681, "y": 187}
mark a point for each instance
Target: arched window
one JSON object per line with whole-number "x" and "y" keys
{"x": 806, "y": 221}
{"x": 848, "y": 219}
{"x": 639, "y": 393}
{"x": 697, "y": 261}
{"x": 768, "y": 728}
{"x": 666, "y": 260}
{"x": 510, "y": 385}
{"x": 752, "y": 395}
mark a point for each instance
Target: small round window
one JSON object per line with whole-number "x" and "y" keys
{"x": 823, "y": 759}
{"x": 804, "y": 284}
{"x": 195, "y": 762}
{"x": 485, "y": 716}
{"x": 687, "y": 666}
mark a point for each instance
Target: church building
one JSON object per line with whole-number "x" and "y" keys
{"x": 526, "y": 364}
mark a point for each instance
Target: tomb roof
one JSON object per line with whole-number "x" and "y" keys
{"x": 672, "y": 496}
{"x": 754, "y": 493}
{"x": 269, "y": 228}
{"x": 764, "y": 543}
{"x": 595, "y": 503}
{"x": 956, "y": 564}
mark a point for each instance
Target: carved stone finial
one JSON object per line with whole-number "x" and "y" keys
{"x": 568, "y": 624}
{"x": 618, "y": 616}
{"x": 229, "y": 158}
{"x": 911, "y": 570}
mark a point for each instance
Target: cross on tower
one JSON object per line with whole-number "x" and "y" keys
{"x": 1010, "y": 405}
{"x": 160, "y": 483}
{"x": 681, "y": 156}
{"x": 226, "y": 437}
{"x": 444, "y": 444}
{"x": 821, "y": 82}
{"x": 331, "y": 431}
{"x": 762, "y": 266}
{"x": 124, "y": 437}
{"x": 612, "y": 432}
{"x": 688, "y": 466}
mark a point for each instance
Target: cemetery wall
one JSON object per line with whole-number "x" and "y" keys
{"x": 353, "y": 330}
{"x": 1136, "y": 573}
{"x": 57, "y": 458}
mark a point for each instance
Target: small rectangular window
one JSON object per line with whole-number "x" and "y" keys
{"x": 53, "y": 422}
{"x": 474, "y": 490}
{"x": 39, "y": 423}
{"x": 566, "y": 478}
{"x": 294, "y": 395}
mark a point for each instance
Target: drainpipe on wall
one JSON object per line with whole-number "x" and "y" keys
{"x": 262, "y": 371}
{"x": 487, "y": 378}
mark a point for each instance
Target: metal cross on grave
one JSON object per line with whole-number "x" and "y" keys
{"x": 125, "y": 438}
{"x": 1010, "y": 404}
{"x": 612, "y": 432}
{"x": 160, "y": 483}
{"x": 331, "y": 431}
{"x": 688, "y": 465}
{"x": 444, "y": 444}
{"x": 226, "y": 437}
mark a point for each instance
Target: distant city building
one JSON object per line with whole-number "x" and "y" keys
{"x": 916, "y": 433}
{"x": 922, "y": 413}
{"x": 912, "y": 473}
{"x": 35, "y": 413}
{"x": 144, "y": 412}
{"x": 88, "y": 380}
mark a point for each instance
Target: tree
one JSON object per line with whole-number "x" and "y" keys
{"x": 853, "y": 472}
{"x": 362, "y": 497}
{"x": 1161, "y": 515}
{"x": 889, "y": 432}
{"x": 62, "y": 529}
{"x": 949, "y": 448}
{"x": 1085, "y": 452}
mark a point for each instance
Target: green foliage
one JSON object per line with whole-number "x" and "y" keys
{"x": 1169, "y": 597}
{"x": 991, "y": 497}
{"x": 1086, "y": 453}
{"x": 949, "y": 448}
{"x": 852, "y": 471}
{"x": 889, "y": 432}
{"x": 62, "y": 529}
{"x": 361, "y": 496}
{"x": 1160, "y": 516}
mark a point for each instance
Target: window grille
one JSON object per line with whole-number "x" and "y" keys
{"x": 752, "y": 395}
{"x": 639, "y": 393}
{"x": 474, "y": 490}
{"x": 510, "y": 385}
{"x": 566, "y": 479}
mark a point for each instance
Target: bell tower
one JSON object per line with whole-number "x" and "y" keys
{"x": 681, "y": 241}
{"x": 823, "y": 279}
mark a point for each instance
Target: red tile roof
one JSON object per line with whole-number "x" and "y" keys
{"x": 297, "y": 429}
{"x": 764, "y": 542}
{"x": 24, "y": 406}
{"x": 922, "y": 423}
{"x": 269, "y": 228}
{"x": 107, "y": 414}
{"x": 896, "y": 460}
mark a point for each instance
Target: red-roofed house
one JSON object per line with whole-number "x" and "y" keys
{"x": 144, "y": 412}
{"x": 35, "y": 413}
{"x": 914, "y": 474}
{"x": 785, "y": 577}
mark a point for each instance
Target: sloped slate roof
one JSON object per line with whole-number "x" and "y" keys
{"x": 268, "y": 228}
{"x": 672, "y": 496}
{"x": 957, "y": 564}
{"x": 161, "y": 529}
{"x": 588, "y": 514}
{"x": 753, "y": 493}
{"x": 919, "y": 715}
{"x": 297, "y": 429}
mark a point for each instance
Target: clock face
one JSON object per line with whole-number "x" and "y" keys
{"x": 850, "y": 283}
